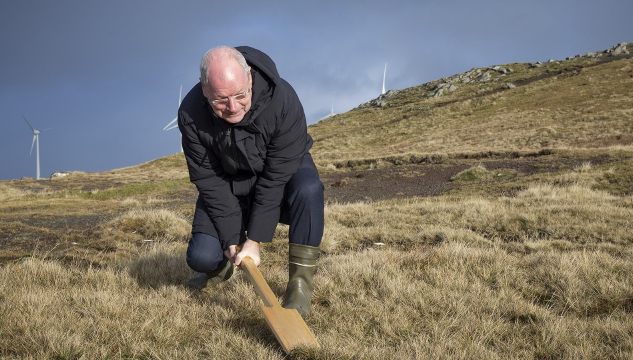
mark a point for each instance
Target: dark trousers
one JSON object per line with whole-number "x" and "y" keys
{"x": 302, "y": 209}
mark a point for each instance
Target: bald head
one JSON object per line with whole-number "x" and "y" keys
{"x": 226, "y": 83}
{"x": 223, "y": 63}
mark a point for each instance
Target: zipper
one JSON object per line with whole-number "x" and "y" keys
{"x": 231, "y": 136}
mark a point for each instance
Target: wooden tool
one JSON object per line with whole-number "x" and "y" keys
{"x": 287, "y": 325}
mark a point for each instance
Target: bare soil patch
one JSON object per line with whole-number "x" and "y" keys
{"x": 420, "y": 180}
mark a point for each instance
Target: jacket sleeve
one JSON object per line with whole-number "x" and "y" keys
{"x": 284, "y": 154}
{"x": 206, "y": 173}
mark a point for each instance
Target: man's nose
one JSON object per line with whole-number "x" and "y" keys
{"x": 232, "y": 105}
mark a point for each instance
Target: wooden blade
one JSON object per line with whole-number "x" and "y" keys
{"x": 287, "y": 325}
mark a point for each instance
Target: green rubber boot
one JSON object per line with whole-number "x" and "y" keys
{"x": 301, "y": 266}
{"x": 212, "y": 278}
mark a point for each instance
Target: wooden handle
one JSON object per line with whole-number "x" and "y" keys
{"x": 258, "y": 282}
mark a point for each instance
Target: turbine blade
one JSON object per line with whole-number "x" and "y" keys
{"x": 170, "y": 124}
{"x": 27, "y": 122}
{"x": 173, "y": 127}
{"x": 180, "y": 97}
{"x": 33, "y": 143}
{"x": 384, "y": 76}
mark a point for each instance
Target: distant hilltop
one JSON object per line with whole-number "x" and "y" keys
{"x": 482, "y": 75}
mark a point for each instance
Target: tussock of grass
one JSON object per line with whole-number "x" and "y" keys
{"x": 159, "y": 225}
{"x": 479, "y": 173}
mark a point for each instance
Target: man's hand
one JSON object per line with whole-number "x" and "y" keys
{"x": 249, "y": 249}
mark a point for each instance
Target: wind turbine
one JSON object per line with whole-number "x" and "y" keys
{"x": 384, "y": 76}
{"x": 330, "y": 114}
{"x": 36, "y": 141}
{"x": 171, "y": 124}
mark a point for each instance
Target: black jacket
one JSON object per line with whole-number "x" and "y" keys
{"x": 241, "y": 170}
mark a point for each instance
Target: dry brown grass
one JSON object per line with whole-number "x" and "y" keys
{"x": 545, "y": 274}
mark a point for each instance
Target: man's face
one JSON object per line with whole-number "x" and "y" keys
{"x": 229, "y": 92}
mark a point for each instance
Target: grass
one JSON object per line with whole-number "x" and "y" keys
{"x": 457, "y": 276}
{"x": 505, "y": 265}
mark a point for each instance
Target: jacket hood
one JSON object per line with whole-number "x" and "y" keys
{"x": 265, "y": 80}
{"x": 261, "y": 61}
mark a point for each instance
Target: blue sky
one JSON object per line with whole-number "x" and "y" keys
{"x": 105, "y": 75}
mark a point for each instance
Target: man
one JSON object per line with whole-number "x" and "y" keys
{"x": 244, "y": 136}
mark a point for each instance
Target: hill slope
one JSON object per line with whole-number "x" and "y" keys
{"x": 583, "y": 102}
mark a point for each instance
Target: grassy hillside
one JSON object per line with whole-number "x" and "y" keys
{"x": 577, "y": 104}
{"x": 523, "y": 251}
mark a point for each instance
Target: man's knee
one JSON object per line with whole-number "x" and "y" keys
{"x": 307, "y": 186}
{"x": 204, "y": 253}
{"x": 203, "y": 262}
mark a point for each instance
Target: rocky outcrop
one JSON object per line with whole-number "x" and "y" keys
{"x": 380, "y": 101}
{"x": 475, "y": 75}
{"x": 619, "y": 49}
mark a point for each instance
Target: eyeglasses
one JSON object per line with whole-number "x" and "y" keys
{"x": 225, "y": 101}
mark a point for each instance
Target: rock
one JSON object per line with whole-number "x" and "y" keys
{"x": 59, "y": 174}
{"x": 484, "y": 77}
{"x": 380, "y": 101}
{"x": 619, "y": 49}
{"x": 452, "y": 88}
{"x": 510, "y": 85}
{"x": 465, "y": 78}
{"x": 499, "y": 69}
{"x": 438, "y": 93}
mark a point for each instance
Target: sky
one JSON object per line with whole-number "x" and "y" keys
{"x": 101, "y": 79}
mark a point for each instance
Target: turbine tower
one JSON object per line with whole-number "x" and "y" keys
{"x": 331, "y": 113}
{"x": 384, "y": 76}
{"x": 36, "y": 139}
{"x": 171, "y": 124}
